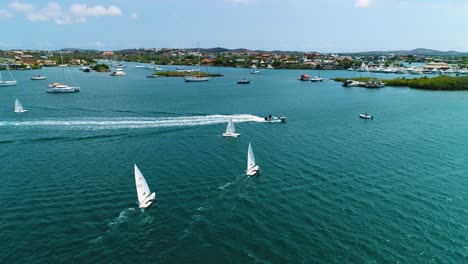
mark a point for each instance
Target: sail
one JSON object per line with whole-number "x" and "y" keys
{"x": 250, "y": 158}
{"x": 18, "y": 106}
{"x": 230, "y": 129}
{"x": 142, "y": 187}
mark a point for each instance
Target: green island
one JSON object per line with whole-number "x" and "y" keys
{"x": 101, "y": 68}
{"x": 185, "y": 73}
{"x": 446, "y": 83}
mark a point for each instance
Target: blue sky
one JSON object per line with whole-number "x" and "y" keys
{"x": 305, "y": 25}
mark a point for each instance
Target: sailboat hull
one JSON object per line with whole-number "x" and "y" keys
{"x": 20, "y": 111}
{"x": 147, "y": 201}
{"x": 196, "y": 79}
{"x": 231, "y": 134}
{"x": 7, "y": 83}
{"x": 253, "y": 171}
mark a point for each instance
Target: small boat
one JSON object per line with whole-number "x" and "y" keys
{"x": 62, "y": 88}
{"x": 271, "y": 118}
{"x": 230, "y": 130}
{"x": 158, "y": 69}
{"x": 38, "y": 77}
{"x": 366, "y": 116}
{"x": 252, "y": 167}
{"x": 139, "y": 67}
{"x": 316, "y": 79}
{"x": 351, "y": 83}
{"x": 18, "y": 107}
{"x": 118, "y": 72}
{"x": 7, "y": 83}
{"x": 243, "y": 81}
{"x": 145, "y": 196}
{"x": 254, "y": 71}
{"x": 151, "y": 76}
{"x": 304, "y": 77}
{"x": 374, "y": 84}
{"x": 196, "y": 79}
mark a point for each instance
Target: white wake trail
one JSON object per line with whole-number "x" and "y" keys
{"x": 132, "y": 122}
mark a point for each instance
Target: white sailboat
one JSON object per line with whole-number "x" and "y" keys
{"x": 145, "y": 197}
{"x": 18, "y": 107}
{"x": 230, "y": 130}
{"x": 57, "y": 87}
{"x": 7, "y": 83}
{"x": 198, "y": 78}
{"x": 252, "y": 167}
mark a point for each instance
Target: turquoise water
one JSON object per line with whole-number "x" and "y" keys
{"x": 333, "y": 188}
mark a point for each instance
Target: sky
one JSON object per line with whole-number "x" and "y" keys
{"x": 302, "y": 25}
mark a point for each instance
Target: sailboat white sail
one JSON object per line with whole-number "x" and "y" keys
{"x": 7, "y": 83}
{"x": 252, "y": 167}
{"x": 18, "y": 107}
{"x": 230, "y": 130}
{"x": 145, "y": 197}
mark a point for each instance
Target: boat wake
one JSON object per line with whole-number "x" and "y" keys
{"x": 123, "y": 216}
{"x": 131, "y": 122}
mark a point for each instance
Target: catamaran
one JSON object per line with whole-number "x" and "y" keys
{"x": 145, "y": 196}
{"x": 252, "y": 167}
{"x": 230, "y": 130}
{"x": 18, "y": 107}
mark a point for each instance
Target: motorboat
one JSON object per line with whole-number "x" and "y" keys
{"x": 118, "y": 72}
{"x": 243, "y": 81}
{"x": 304, "y": 77}
{"x": 254, "y": 71}
{"x": 196, "y": 79}
{"x": 351, "y": 83}
{"x": 316, "y": 79}
{"x": 62, "y": 88}
{"x": 37, "y": 77}
{"x": 271, "y": 118}
{"x": 366, "y": 116}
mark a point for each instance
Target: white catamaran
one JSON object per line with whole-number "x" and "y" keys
{"x": 18, "y": 107}
{"x": 252, "y": 167}
{"x": 230, "y": 130}
{"x": 145, "y": 196}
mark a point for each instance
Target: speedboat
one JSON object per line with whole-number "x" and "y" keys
{"x": 366, "y": 116}
{"x": 351, "y": 83}
{"x": 271, "y": 118}
{"x": 254, "y": 71}
{"x": 38, "y": 77}
{"x": 243, "y": 81}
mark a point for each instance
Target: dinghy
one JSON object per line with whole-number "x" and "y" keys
{"x": 230, "y": 130}
{"x": 366, "y": 116}
{"x": 252, "y": 167}
{"x": 18, "y": 107}
{"x": 145, "y": 197}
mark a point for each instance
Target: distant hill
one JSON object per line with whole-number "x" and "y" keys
{"x": 419, "y": 51}
{"x": 76, "y": 49}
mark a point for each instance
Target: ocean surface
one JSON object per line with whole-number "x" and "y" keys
{"x": 333, "y": 188}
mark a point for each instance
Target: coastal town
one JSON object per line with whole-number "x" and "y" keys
{"x": 398, "y": 63}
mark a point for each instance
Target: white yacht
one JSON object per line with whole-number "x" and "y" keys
{"x": 118, "y": 72}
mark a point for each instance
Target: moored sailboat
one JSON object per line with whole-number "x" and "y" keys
{"x": 7, "y": 83}
{"x": 145, "y": 196}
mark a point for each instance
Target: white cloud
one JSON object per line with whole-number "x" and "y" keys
{"x": 362, "y": 3}
{"x": 21, "y": 7}
{"x": 134, "y": 16}
{"x": 82, "y": 10}
{"x": 77, "y": 13}
{"x": 5, "y": 14}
